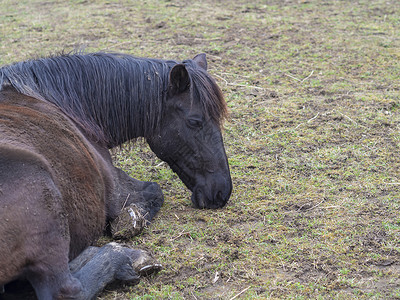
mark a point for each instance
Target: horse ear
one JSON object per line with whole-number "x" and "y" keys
{"x": 179, "y": 80}
{"x": 201, "y": 60}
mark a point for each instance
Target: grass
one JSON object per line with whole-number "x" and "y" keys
{"x": 313, "y": 140}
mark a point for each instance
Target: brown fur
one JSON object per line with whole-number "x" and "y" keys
{"x": 53, "y": 188}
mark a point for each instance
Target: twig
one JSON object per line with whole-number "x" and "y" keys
{"x": 220, "y": 77}
{"x": 181, "y": 234}
{"x": 313, "y": 118}
{"x": 347, "y": 117}
{"x": 207, "y": 39}
{"x": 316, "y": 205}
{"x": 238, "y": 84}
{"x": 193, "y": 295}
{"x": 300, "y": 80}
{"x": 333, "y": 206}
{"x": 127, "y": 197}
{"x": 216, "y": 57}
{"x": 237, "y": 295}
{"x": 216, "y": 277}
{"x": 299, "y": 125}
{"x": 308, "y": 76}
{"x": 293, "y": 77}
{"x": 283, "y": 264}
{"x": 260, "y": 103}
{"x": 248, "y": 86}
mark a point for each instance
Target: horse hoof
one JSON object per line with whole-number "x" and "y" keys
{"x": 144, "y": 264}
{"x": 129, "y": 223}
{"x": 150, "y": 269}
{"x": 141, "y": 262}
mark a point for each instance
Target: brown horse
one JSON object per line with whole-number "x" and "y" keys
{"x": 56, "y": 191}
{"x": 58, "y": 187}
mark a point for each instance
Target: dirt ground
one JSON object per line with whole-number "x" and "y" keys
{"x": 312, "y": 138}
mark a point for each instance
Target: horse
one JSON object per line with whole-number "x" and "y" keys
{"x": 59, "y": 116}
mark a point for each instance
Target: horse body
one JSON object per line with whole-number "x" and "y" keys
{"x": 58, "y": 187}
{"x": 57, "y": 191}
{"x": 53, "y": 208}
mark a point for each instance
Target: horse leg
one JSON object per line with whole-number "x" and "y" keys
{"x": 33, "y": 228}
{"x": 89, "y": 273}
{"x": 82, "y": 259}
{"x": 55, "y": 283}
{"x": 97, "y": 267}
{"x": 146, "y": 196}
{"x": 48, "y": 270}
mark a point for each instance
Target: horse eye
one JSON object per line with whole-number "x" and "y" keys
{"x": 194, "y": 123}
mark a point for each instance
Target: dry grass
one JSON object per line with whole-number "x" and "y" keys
{"x": 313, "y": 140}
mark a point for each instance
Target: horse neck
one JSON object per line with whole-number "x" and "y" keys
{"x": 133, "y": 116}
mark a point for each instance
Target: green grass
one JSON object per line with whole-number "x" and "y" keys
{"x": 313, "y": 140}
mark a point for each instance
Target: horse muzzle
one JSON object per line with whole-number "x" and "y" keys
{"x": 213, "y": 193}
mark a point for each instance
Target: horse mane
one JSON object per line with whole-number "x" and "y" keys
{"x": 208, "y": 92}
{"x": 113, "y": 97}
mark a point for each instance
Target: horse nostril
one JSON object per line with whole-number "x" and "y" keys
{"x": 200, "y": 201}
{"x": 219, "y": 199}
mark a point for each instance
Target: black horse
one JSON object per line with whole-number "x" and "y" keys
{"x": 115, "y": 98}
{"x": 58, "y": 187}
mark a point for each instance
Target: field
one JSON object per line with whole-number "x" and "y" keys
{"x": 313, "y": 139}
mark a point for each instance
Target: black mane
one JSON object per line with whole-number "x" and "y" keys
{"x": 114, "y": 97}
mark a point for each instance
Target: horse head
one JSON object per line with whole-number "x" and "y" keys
{"x": 190, "y": 138}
